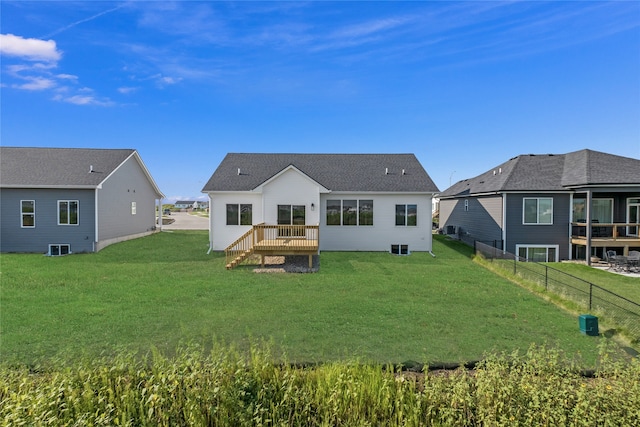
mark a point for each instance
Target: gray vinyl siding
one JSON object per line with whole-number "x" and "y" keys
{"x": 542, "y": 234}
{"x": 127, "y": 184}
{"x": 482, "y": 221}
{"x": 14, "y": 238}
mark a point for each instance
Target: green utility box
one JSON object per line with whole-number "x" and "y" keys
{"x": 589, "y": 325}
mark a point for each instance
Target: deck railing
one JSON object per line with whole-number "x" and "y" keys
{"x": 274, "y": 232}
{"x": 606, "y": 230}
{"x": 242, "y": 245}
{"x": 296, "y": 236}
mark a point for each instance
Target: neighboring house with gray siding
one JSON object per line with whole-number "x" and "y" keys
{"x": 537, "y": 206}
{"x": 69, "y": 200}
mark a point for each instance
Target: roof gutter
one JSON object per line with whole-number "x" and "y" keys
{"x": 60, "y": 187}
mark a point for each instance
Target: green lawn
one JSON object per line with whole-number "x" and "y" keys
{"x": 164, "y": 290}
{"x": 628, "y": 287}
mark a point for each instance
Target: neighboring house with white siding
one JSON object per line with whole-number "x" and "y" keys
{"x": 69, "y": 200}
{"x": 358, "y": 202}
{"x": 537, "y": 206}
{"x": 184, "y": 204}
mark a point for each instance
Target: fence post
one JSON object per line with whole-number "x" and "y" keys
{"x": 590, "y": 294}
{"x": 546, "y": 277}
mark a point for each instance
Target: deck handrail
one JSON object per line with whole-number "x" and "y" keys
{"x": 240, "y": 245}
{"x": 244, "y": 244}
{"x": 611, "y": 229}
{"x": 279, "y": 231}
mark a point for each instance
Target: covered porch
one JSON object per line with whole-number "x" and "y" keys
{"x": 621, "y": 237}
{"x": 268, "y": 240}
{"x": 606, "y": 218}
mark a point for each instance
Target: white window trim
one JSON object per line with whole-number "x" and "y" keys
{"x": 68, "y": 223}
{"x": 466, "y": 205}
{"x": 133, "y": 208}
{"x": 556, "y": 247}
{"x": 22, "y": 214}
{"x": 627, "y": 216}
{"x": 59, "y": 245}
{"x": 524, "y": 199}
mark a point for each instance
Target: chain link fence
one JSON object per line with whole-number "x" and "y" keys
{"x": 617, "y": 309}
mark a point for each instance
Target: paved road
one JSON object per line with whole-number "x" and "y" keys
{"x": 184, "y": 221}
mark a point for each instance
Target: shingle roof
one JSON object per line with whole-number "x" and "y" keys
{"x": 336, "y": 172}
{"x": 59, "y": 167}
{"x": 551, "y": 172}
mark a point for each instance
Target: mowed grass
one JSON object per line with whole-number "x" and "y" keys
{"x": 625, "y": 286}
{"x": 164, "y": 290}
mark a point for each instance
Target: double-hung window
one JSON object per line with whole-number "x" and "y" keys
{"x": 239, "y": 214}
{"x": 68, "y": 212}
{"x": 27, "y": 213}
{"x": 537, "y": 210}
{"x": 407, "y": 215}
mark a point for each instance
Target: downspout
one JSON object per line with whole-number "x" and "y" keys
{"x": 95, "y": 238}
{"x": 588, "y": 226}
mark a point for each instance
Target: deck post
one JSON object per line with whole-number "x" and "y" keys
{"x": 262, "y": 260}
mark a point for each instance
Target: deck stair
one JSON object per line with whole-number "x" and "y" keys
{"x": 266, "y": 240}
{"x": 240, "y": 250}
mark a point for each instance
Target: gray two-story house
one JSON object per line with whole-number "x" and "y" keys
{"x": 68, "y": 200}
{"x": 538, "y": 206}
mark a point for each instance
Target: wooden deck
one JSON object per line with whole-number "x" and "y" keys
{"x": 607, "y": 235}
{"x": 269, "y": 240}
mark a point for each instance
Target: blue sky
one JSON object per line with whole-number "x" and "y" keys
{"x": 463, "y": 85}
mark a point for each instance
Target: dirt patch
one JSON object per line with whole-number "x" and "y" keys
{"x": 289, "y": 264}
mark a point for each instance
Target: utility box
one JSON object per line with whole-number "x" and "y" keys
{"x": 589, "y": 325}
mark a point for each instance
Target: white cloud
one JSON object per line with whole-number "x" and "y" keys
{"x": 67, "y": 77}
{"x": 169, "y": 80}
{"x": 82, "y": 100}
{"x": 90, "y": 18}
{"x": 29, "y": 49}
{"x": 163, "y": 81}
{"x": 35, "y": 83}
{"x": 127, "y": 90}
{"x": 372, "y": 27}
{"x": 37, "y": 75}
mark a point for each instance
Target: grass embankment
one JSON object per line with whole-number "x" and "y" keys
{"x": 625, "y": 286}
{"x": 164, "y": 289}
{"x": 225, "y": 387}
